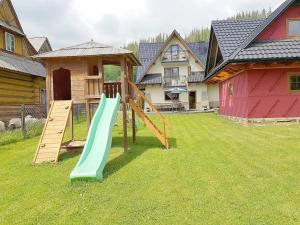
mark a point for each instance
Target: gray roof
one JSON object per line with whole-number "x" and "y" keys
{"x": 86, "y": 49}
{"x": 196, "y": 77}
{"x": 148, "y": 51}
{"x": 289, "y": 48}
{"x": 12, "y": 28}
{"x": 21, "y": 64}
{"x": 237, "y": 41}
{"x": 152, "y": 79}
{"x": 231, "y": 34}
{"x": 37, "y": 42}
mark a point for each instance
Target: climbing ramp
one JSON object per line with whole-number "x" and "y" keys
{"x": 53, "y": 133}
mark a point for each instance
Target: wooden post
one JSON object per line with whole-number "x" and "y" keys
{"x": 72, "y": 123}
{"x": 101, "y": 75}
{"x": 86, "y": 93}
{"x": 133, "y": 126}
{"x": 48, "y": 86}
{"x": 123, "y": 87}
{"x": 131, "y": 96}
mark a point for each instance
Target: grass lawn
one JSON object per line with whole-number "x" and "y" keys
{"x": 218, "y": 172}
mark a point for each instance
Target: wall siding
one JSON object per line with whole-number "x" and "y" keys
{"x": 17, "y": 89}
{"x": 235, "y": 104}
{"x": 278, "y": 29}
{"x": 260, "y": 94}
{"x": 270, "y": 96}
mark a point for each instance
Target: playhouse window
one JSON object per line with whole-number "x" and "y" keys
{"x": 295, "y": 83}
{"x": 294, "y": 27}
{"x": 10, "y": 42}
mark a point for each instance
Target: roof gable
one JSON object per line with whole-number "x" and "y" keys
{"x": 238, "y": 45}
{"x": 9, "y": 18}
{"x": 279, "y": 11}
{"x": 231, "y": 34}
{"x": 40, "y": 44}
{"x": 150, "y": 52}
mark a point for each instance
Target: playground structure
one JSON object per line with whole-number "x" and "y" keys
{"x": 76, "y": 75}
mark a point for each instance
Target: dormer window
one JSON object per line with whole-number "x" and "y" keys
{"x": 294, "y": 28}
{"x": 10, "y": 42}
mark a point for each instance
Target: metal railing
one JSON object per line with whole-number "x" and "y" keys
{"x": 181, "y": 81}
{"x": 178, "y": 56}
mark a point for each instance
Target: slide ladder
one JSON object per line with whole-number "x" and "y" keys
{"x": 137, "y": 107}
{"x": 53, "y": 133}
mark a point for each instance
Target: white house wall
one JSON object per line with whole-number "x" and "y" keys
{"x": 157, "y": 67}
{"x": 156, "y": 93}
{"x": 204, "y": 94}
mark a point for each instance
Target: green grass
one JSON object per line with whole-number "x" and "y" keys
{"x": 217, "y": 172}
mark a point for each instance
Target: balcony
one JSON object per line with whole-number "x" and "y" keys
{"x": 175, "y": 57}
{"x": 175, "y": 82}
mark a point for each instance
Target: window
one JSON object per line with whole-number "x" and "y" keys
{"x": 230, "y": 89}
{"x": 294, "y": 28}
{"x": 172, "y": 72}
{"x": 43, "y": 96}
{"x": 10, "y": 42}
{"x": 174, "y": 50}
{"x": 169, "y": 96}
{"x": 171, "y": 75}
{"x": 294, "y": 82}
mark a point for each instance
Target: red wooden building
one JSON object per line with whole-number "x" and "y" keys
{"x": 257, "y": 65}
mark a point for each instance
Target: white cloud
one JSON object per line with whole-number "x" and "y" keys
{"x": 67, "y": 22}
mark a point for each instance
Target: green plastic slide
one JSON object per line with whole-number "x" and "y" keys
{"x": 98, "y": 145}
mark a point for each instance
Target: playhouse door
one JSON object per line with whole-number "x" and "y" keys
{"x": 62, "y": 84}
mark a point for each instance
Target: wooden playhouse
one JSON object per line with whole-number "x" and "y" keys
{"x": 75, "y": 75}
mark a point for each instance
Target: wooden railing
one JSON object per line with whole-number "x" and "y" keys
{"x": 137, "y": 98}
{"x": 94, "y": 85}
{"x": 111, "y": 89}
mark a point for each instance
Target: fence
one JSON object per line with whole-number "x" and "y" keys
{"x": 27, "y": 121}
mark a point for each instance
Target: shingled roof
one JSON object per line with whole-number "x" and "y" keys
{"x": 148, "y": 52}
{"x": 237, "y": 41}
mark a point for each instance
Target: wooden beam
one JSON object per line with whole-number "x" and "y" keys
{"x": 123, "y": 87}
{"x": 101, "y": 76}
{"x": 48, "y": 86}
{"x": 86, "y": 93}
{"x": 133, "y": 125}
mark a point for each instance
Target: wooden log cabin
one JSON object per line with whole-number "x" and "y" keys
{"x": 22, "y": 79}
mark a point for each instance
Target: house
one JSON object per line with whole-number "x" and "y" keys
{"x": 176, "y": 64}
{"x": 40, "y": 44}
{"x": 257, "y": 65}
{"x": 22, "y": 79}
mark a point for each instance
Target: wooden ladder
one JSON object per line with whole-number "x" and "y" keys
{"x": 53, "y": 133}
{"x": 137, "y": 107}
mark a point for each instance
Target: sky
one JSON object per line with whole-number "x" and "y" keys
{"x": 117, "y": 22}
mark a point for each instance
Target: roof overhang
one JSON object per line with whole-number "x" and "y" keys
{"x": 232, "y": 69}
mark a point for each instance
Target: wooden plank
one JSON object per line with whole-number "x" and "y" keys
{"x": 55, "y": 130}
{"x": 123, "y": 80}
{"x": 15, "y": 76}
{"x": 16, "y": 82}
